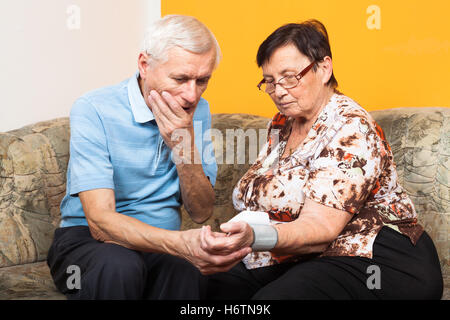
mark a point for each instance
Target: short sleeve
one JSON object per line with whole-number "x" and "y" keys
{"x": 346, "y": 170}
{"x": 89, "y": 165}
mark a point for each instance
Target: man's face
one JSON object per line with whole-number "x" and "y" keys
{"x": 184, "y": 75}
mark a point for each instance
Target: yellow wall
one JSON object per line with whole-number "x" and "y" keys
{"x": 404, "y": 63}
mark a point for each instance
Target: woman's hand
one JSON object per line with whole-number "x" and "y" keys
{"x": 199, "y": 252}
{"x": 236, "y": 236}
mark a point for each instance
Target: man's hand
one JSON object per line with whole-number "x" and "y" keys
{"x": 197, "y": 252}
{"x": 171, "y": 118}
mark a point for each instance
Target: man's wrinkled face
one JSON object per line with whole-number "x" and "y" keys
{"x": 184, "y": 75}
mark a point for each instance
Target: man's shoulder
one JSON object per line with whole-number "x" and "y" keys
{"x": 102, "y": 98}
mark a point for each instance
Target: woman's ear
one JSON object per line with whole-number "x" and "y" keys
{"x": 326, "y": 69}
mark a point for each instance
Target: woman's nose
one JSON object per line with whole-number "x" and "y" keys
{"x": 280, "y": 91}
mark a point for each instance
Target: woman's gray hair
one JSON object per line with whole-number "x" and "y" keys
{"x": 182, "y": 31}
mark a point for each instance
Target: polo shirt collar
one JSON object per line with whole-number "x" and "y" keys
{"x": 141, "y": 111}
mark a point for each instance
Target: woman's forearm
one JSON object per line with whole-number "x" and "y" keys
{"x": 313, "y": 231}
{"x": 301, "y": 237}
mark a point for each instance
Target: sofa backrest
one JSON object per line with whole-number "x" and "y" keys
{"x": 420, "y": 141}
{"x": 231, "y": 126}
{"x": 33, "y": 162}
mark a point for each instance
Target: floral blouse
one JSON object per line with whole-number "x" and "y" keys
{"x": 344, "y": 162}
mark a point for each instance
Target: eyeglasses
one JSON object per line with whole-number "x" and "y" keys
{"x": 287, "y": 82}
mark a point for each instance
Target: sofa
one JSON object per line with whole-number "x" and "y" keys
{"x": 33, "y": 162}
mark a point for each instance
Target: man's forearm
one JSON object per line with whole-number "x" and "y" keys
{"x": 129, "y": 232}
{"x": 133, "y": 234}
{"x": 196, "y": 190}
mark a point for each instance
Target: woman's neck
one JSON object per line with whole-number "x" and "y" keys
{"x": 304, "y": 124}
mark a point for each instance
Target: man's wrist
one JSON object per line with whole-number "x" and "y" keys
{"x": 171, "y": 242}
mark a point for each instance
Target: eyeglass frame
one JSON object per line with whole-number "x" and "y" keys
{"x": 300, "y": 75}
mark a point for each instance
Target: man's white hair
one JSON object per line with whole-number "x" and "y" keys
{"x": 178, "y": 30}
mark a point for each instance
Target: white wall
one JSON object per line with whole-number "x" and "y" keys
{"x": 53, "y": 51}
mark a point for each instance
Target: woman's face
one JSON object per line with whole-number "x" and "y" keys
{"x": 306, "y": 99}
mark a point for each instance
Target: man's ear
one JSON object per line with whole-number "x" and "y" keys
{"x": 326, "y": 66}
{"x": 143, "y": 64}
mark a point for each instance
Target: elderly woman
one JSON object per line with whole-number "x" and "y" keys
{"x": 341, "y": 225}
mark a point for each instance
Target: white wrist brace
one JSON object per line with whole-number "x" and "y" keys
{"x": 265, "y": 237}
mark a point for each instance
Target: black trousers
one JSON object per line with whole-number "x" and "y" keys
{"x": 110, "y": 271}
{"x": 398, "y": 270}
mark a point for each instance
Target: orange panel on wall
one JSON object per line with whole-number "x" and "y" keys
{"x": 385, "y": 53}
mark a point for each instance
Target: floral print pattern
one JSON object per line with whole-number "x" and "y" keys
{"x": 344, "y": 162}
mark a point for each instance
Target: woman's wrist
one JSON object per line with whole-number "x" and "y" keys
{"x": 265, "y": 237}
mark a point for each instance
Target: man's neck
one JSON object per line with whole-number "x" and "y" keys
{"x": 141, "y": 85}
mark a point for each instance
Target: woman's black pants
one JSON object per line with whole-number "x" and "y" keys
{"x": 397, "y": 270}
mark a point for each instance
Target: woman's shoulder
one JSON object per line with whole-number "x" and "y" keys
{"x": 347, "y": 107}
{"x": 349, "y": 110}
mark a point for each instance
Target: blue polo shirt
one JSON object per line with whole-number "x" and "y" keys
{"x": 115, "y": 144}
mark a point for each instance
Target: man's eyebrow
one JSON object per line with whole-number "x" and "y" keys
{"x": 189, "y": 76}
{"x": 204, "y": 76}
{"x": 179, "y": 75}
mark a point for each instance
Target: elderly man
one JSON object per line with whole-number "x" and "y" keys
{"x": 120, "y": 215}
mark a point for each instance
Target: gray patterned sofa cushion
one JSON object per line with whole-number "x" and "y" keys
{"x": 33, "y": 162}
{"x": 420, "y": 141}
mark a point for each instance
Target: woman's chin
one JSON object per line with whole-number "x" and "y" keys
{"x": 290, "y": 111}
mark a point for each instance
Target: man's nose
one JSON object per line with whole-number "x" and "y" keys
{"x": 190, "y": 92}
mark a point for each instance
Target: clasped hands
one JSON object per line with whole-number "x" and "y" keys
{"x": 213, "y": 252}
